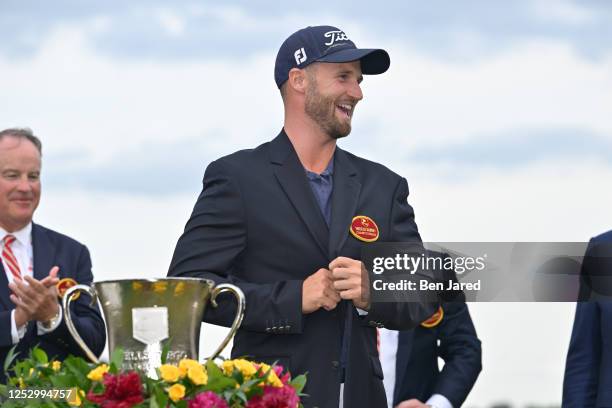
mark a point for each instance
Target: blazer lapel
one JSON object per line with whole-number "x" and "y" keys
{"x": 404, "y": 348}
{"x": 292, "y": 177}
{"x": 43, "y": 252}
{"x": 344, "y": 201}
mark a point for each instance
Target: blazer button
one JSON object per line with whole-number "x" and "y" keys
{"x": 335, "y": 364}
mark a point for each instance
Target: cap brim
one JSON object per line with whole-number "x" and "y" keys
{"x": 373, "y": 61}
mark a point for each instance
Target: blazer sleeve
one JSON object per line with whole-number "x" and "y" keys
{"x": 581, "y": 379}
{"x": 461, "y": 351}
{"x": 402, "y": 315}
{"x": 6, "y": 340}
{"x": 211, "y": 246}
{"x": 86, "y": 318}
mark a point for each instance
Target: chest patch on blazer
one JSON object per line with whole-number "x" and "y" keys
{"x": 364, "y": 228}
{"x": 435, "y": 319}
{"x": 65, "y": 284}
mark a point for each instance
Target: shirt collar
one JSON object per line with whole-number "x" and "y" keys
{"x": 329, "y": 170}
{"x": 24, "y": 235}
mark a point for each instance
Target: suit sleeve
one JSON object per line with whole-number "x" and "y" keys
{"x": 403, "y": 314}
{"x": 6, "y": 340}
{"x": 580, "y": 382}
{"x": 212, "y": 246}
{"x": 86, "y": 318}
{"x": 461, "y": 351}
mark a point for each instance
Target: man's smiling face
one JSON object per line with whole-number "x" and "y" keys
{"x": 332, "y": 94}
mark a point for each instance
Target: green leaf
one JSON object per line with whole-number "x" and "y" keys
{"x": 298, "y": 383}
{"x": 39, "y": 355}
{"x": 116, "y": 359}
{"x": 159, "y": 395}
{"x": 10, "y": 358}
{"x": 165, "y": 351}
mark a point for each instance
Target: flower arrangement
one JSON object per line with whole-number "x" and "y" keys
{"x": 231, "y": 384}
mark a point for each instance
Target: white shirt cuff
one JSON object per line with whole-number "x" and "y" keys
{"x": 43, "y": 330}
{"x": 361, "y": 311}
{"x": 17, "y": 333}
{"x": 439, "y": 401}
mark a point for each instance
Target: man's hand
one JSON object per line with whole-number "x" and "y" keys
{"x": 318, "y": 291}
{"x": 413, "y": 403}
{"x": 35, "y": 300}
{"x": 350, "y": 279}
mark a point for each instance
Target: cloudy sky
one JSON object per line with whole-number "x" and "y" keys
{"x": 499, "y": 114}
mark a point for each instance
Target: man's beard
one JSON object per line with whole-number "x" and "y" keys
{"x": 322, "y": 109}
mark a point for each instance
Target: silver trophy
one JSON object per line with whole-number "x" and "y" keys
{"x": 143, "y": 315}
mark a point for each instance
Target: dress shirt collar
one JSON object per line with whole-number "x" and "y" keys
{"x": 24, "y": 235}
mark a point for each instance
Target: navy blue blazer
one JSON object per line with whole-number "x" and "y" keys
{"x": 49, "y": 249}
{"x": 416, "y": 369}
{"x": 256, "y": 224}
{"x": 588, "y": 369}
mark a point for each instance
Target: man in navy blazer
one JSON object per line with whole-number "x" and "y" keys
{"x": 588, "y": 368}
{"x": 280, "y": 221}
{"x": 34, "y": 260}
{"x": 416, "y": 378}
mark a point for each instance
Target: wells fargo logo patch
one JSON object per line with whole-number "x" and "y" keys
{"x": 364, "y": 228}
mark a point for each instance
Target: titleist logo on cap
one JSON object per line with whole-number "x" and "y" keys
{"x": 335, "y": 36}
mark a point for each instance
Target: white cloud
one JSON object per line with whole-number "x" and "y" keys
{"x": 534, "y": 85}
{"x": 170, "y": 21}
{"x": 563, "y": 11}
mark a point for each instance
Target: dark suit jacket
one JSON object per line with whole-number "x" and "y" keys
{"x": 588, "y": 368}
{"x": 49, "y": 249}
{"x": 416, "y": 369}
{"x": 256, "y": 224}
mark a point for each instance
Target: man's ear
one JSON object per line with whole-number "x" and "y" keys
{"x": 297, "y": 80}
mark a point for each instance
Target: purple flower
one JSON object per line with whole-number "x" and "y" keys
{"x": 207, "y": 399}
{"x": 275, "y": 397}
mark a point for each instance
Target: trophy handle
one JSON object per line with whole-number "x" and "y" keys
{"x": 66, "y": 300}
{"x": 237, "y": 292}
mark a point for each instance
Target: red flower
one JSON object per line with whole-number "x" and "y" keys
{"x": 207, "y": 399}
{"x": 120, "y": 391}
{"x": 275, "y": 397}
{"x": 285, "y": 378}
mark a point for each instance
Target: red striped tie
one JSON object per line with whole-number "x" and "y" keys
{"x": 9, "y": 257}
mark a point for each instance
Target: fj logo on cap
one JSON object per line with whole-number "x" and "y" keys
{"x": 335, "y": 36}
{"x": 300, "y": 55}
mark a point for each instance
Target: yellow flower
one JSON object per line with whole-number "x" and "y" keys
{"x": 21, "y": 383}
{"x": 271, "y": 378}
{"x": 176, "y": 392}
{"x": 169, "y": 373}
{"x": 56, "y": 365}
{"x": 77, "y": 400}
{"x": 197, "y": 375}
{"x": 245, "y": 367}
{"x": 185, "y": 364}
{"x": 98, "y": 373}
{"x": 136, "y": 286}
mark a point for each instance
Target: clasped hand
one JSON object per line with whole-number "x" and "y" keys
{"x": 345, "y": 278}
{"x": 34, "y": 299}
